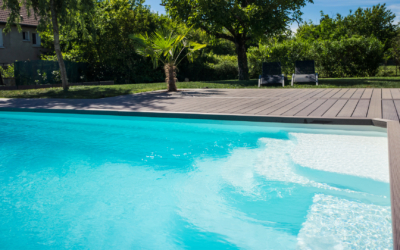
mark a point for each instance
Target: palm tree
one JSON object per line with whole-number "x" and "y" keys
{"x": 167, "y": 47}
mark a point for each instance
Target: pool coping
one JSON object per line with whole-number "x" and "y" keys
{"x": 392, "y": 127}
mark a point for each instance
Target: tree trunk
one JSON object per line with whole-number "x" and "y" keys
{"x": 242, "y": 60}
{"x": 170, "y": 73}
{"x": 63, "y": 71}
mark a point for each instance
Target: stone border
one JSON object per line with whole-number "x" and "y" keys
{"x": 393, "y": 134}
{"x": 211, "y": 116}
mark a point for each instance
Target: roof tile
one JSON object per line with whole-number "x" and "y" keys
{"x": 32, "y": 21}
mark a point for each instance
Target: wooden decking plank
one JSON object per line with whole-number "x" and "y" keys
{"x": 237, "y": 106}
{"x": 299, "y": 107}
{"x": 393, "y": 134}
{"x": 285, "y": 92}
{"x": 286, "y": 108}
{"x": 375, "y": 106}
{"x": 309, "y": 109}
{"x": 313, "y": 93}
{"x": 269, "y": 93}
{"x": 386, "y": 94}
{"x": 330, "y": 94}
{"x": 367, "y": 94}
{"x": 348, "y": 109}
{"x": 278, "y": 106}
{"x": 195, "y": 104}
{"x": 262, "y": 108}
{"x": 349, "y": 93}
{"x": 397, "y": 106}
{"x": 361, "y": 109}
{"x": 280, "y": 100}
{"x": 293, "y": 94}
{"x": 320, "y": 111}
{"x": 199, "y": 105}
{"x": 308, "y": 94}
{"x": 181, "y": 104}
{"x": 395, "y": 93}
{"x": 336, "y": 108}
{"x": 229, "y": 103}
{"x": 258, "y": 105}
{"x": 322, "y": 93}
{"x": 358, "y": 94}
{"x": 340, "y": 93}
{"x": 389, "y": 111}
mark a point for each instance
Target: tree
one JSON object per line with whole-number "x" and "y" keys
{"x": 108, "y": 50}
{"x": 239, "y": 21}
{"x": 395, "y": 50}
{"x": 59, "y": 13}
{"x": 377, "y": 21}
{"x": 168, "y": 48}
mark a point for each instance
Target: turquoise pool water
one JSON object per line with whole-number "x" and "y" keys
{"x": 103, "y": 182}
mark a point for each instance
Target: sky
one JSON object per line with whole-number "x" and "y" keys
{"x": 312, "y": 11}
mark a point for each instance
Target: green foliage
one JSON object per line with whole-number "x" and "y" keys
{"x": 285, "y": 52}
{"x": 356, "y": 56}
{"x": 109, "y": 50}
{"x": 7, "y": 72}
{"x": 250, "y": 19}
{"x": 349, "y": 57}
{"x": 223, "y": 67}
{"x": 239, "y": 21}
{"x": 395, "y": 50}
{"x": 165, "y": 46}
{"x": 168, "y": 47}
{"x": 71, "y": 14}
{"x": 377, "y": 22}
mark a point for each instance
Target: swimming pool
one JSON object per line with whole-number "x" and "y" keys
{"x": 101, "y": 182}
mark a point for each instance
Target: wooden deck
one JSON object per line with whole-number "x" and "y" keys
{"x": 323, "y": 103}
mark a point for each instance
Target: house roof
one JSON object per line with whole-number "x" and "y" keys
{"x": 31, "y": 21}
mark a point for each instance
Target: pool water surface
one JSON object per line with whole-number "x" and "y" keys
{"x": 105, "y": 182}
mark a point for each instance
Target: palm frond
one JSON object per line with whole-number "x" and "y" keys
{"x": 165, "y": 46}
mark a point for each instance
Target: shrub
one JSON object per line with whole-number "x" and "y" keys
{"x": 224, "y": 67}
{"x": 356, "y": 56}
{"x": 209, "y": 67}
{"x": 7, "y": 72}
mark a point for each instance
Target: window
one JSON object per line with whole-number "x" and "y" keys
{"x": 25, "y": 35}
{"x": 35, "y": 39}
{"x": 1, "y": 38}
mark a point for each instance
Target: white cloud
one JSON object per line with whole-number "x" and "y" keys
{"x": 395, "y": 8}
{"x": 294, "y": 27}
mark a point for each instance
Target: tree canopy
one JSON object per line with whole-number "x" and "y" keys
{"x": 238, "y": 21}
{"x": 57, "y": 13}
{"x": 377, "y": 21}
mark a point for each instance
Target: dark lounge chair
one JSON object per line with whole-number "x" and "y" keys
{"x": 305, "y": 72}
{"x": 271, "y": 73}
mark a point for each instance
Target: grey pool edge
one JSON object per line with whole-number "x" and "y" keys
{"x": 392, "y": 127}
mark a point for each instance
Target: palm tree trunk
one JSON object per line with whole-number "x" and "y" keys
{"x": 63, "y": 71}
{"x": 170, "y": 73}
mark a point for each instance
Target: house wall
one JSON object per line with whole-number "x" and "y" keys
{"x": 16, "y": 49}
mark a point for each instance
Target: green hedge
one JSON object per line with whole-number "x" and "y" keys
{"x": 350, "y": 57}
{"x": 209, "y": 67}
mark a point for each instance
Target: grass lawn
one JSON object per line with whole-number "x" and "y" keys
{"x": 93, "y": 92}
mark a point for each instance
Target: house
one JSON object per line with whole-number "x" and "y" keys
{"x": 19, "y": 46}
